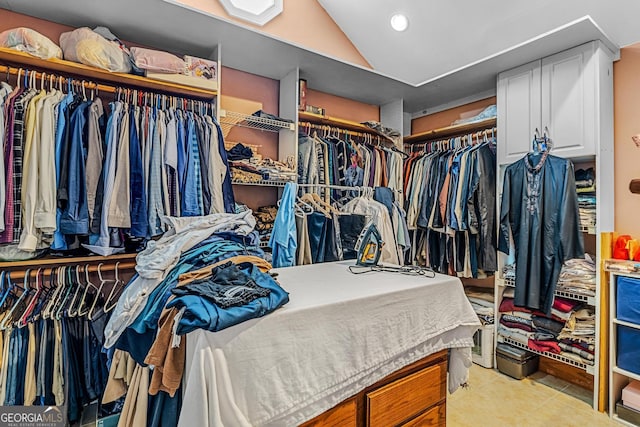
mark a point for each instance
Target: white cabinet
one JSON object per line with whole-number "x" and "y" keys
{"x": 565, "y": 93}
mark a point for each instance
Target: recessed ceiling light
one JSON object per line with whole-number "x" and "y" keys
{"x": 399, "y": 22}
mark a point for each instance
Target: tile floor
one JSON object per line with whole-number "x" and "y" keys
{"x": 496, "y": 400}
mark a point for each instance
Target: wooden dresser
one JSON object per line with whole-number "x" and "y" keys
{"x": 412, "y": 396}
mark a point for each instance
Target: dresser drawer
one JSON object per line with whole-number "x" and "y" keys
{"x": 434, "y": 417}
{"x": 343, "y": 415}
{"x": 402, "y": 399}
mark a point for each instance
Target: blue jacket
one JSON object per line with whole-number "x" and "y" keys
{"x": 201, "y": 313}
{"x": 75, "y": 215}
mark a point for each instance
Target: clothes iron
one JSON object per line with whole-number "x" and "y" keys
{"x": 369, "y": 249}
{"x": 369, "y": 246}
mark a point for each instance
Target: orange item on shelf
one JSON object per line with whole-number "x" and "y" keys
{"x": 633, "y": 246}
{"x": 620, "y": 248}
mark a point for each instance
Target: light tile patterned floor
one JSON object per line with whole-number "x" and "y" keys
{"x": 496, "y": 400}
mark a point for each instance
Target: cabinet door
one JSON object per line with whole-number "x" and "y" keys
{"x": 519, "y": 111}
{"x": 569, "y": 88}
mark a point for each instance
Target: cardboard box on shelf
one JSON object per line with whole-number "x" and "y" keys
{"x": 184, "y": 80}
{"x": 201, "y": 68}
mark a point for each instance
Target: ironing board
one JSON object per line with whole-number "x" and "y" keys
{"x": 339, "y": 333}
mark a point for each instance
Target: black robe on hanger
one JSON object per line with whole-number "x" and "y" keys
{"x": 540, "y": 209}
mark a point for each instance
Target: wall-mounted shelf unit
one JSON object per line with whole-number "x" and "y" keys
{"x": 589, "y": 369}
{"x": 110, "y": 80}
{"x": 589, "y": 299}
{"x": 456, "y": 130}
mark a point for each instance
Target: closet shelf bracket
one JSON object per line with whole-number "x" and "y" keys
{"x": 590, "y": 300}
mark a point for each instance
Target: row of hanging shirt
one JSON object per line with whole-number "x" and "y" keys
{"x": 450, "y": 190}
{"x": 333, "y": 157}
{"x": 52, "y": 332}
{"x": 70, "y": 168}
{"x": 309, "y": 230}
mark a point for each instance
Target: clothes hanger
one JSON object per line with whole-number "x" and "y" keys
{"x": 72, "y": 310}
{"x": 22, "y": 322}
{"x": 25, "y": 291}
{"x": 6, "y": 290}
{"x": 83, "y": 309}
{"x": 112, "y": 299}
{"x": 56, "y": 281}
{"x": 46, "y": 290}
{"x": 98, "y": 293}
{"x": 308, "y": 197}
{"x": 326, "y": 206}
{"x": 65, "y": 297}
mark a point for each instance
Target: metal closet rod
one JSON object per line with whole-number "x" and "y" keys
{"x": 342, "y": 187}
{"x": 123, "y": 267}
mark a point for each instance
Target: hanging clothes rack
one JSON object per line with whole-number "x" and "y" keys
{"x": 343, "y": 187}
{"x": 454, "y": 142}
{"x": 134, "y": 96}
{"x": 337, "y": 131}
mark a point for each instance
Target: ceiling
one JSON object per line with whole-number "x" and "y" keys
{"x": 447, "y": 35}
{"x": 437, "y": 61}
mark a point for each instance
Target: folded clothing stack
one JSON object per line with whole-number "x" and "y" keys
{"x": 578, "y": 276}
{"x": 509, "y": 272}
{"x": 482, "y": 301}
{"x": 585, "y": 180}
{"x": 246, "y": 166}
{"x": 587, "y": 209}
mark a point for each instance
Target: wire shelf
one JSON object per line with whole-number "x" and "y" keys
{"x": 262, "y": 183}
{"x": 589, "y": 299}
{"x": 229, "y": 119}
{"x": 589, "y": 369}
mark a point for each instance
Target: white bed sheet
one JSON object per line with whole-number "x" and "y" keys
{"x": 338, "y": 334}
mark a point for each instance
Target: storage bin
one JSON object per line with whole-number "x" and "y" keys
{"x": 628, "y": 299}
{"x": 628, "y": 414}
{"x": 516, "y": 362}
{"x": 482, "y": 351}
{"x": 631, "y": 395}
{"x": 628, "y": 351}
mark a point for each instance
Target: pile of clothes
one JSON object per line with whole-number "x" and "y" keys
{"x": 247, "y": 166}
{"x": 206, "y": 272}
{"x": 265, "y": 217}
{"x": 578, "y": 276}
{"x": 482, "y": 300}
{"x": 568, "y": 331}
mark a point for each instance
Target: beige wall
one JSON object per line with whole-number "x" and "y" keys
{"x": 343, "y": 108}
{"x": 626, "y": 102}
{"x": 302, "y": 22}
{"x": 446, "y": 117}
